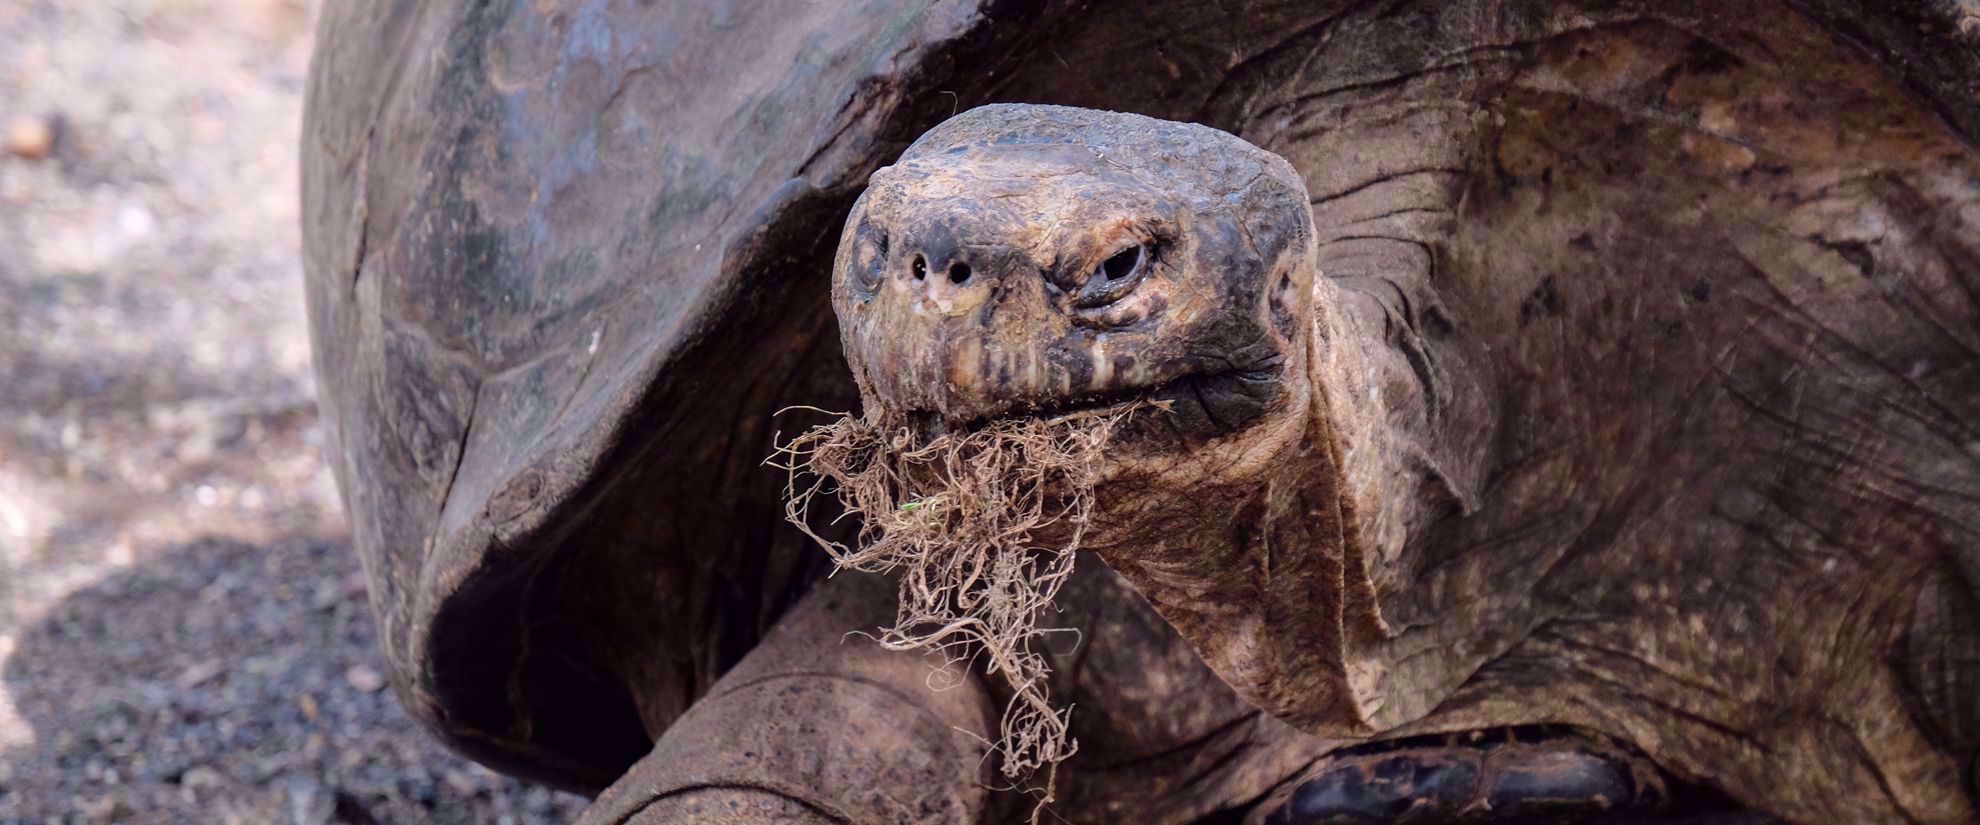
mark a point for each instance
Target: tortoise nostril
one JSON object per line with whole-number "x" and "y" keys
{"x": 959, "y": 273}
{"x": 920, "y": 268}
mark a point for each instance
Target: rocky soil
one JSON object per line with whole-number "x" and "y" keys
{"x": 183, "y": 630}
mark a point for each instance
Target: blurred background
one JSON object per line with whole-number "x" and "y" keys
{"x": 183, "y": 630}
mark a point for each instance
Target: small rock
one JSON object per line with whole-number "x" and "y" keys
{"x": 199, "y": 674}
{"x": 200, "y": 777}
{"x": 103, "y": 809}
{"x": 329, "y": 592}
{"x": 315, "y": 803}
{"x": 364, "y": 678}
{"x": 461, "y": 784}
{"x": 30, "y": 136}
{"x": 310, "y": 803}
{"x": 309, "y": 708}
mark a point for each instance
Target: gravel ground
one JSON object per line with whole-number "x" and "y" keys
{"x": 183, "y": 636}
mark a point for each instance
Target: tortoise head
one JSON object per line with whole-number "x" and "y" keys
{"x": 1038, "y": 260}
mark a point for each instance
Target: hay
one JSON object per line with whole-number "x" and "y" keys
{"x": 963, "y": 519}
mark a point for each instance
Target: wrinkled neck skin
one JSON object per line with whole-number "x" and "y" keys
{"x": 1635, "y": 392}
{"x": 1257, "y": 550}
{"x": 1594, "y": 432}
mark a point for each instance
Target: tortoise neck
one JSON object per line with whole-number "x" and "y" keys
{"x": 1378, "y": 393}
{"x": 1316, "y": 539}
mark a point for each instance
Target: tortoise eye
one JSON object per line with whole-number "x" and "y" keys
{"x": 1115, "y": 277}
{"x": 1123, "y": 264}
{"x": 872, "y": 261}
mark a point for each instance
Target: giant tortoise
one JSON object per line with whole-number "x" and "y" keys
{"x": 1564, "y": 407}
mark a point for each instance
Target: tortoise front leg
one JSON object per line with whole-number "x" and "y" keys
{"x": 815, "y": 726}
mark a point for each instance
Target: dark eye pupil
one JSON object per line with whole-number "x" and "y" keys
{"x": 878, "y": 266}
{"x": 1122, "y": 264}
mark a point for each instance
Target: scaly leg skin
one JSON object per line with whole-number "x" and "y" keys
{"x": 818, "y": 726}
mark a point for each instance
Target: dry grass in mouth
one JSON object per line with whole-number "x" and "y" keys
{"x": 959, "y": 518}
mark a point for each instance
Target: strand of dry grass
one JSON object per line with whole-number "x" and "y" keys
{"x": 959, "y": 518}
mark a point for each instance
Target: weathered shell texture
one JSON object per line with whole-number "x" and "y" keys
{"x": 566, "y": 258}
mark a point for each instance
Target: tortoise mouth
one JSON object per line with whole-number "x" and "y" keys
{"x": 1194, "y": 405}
